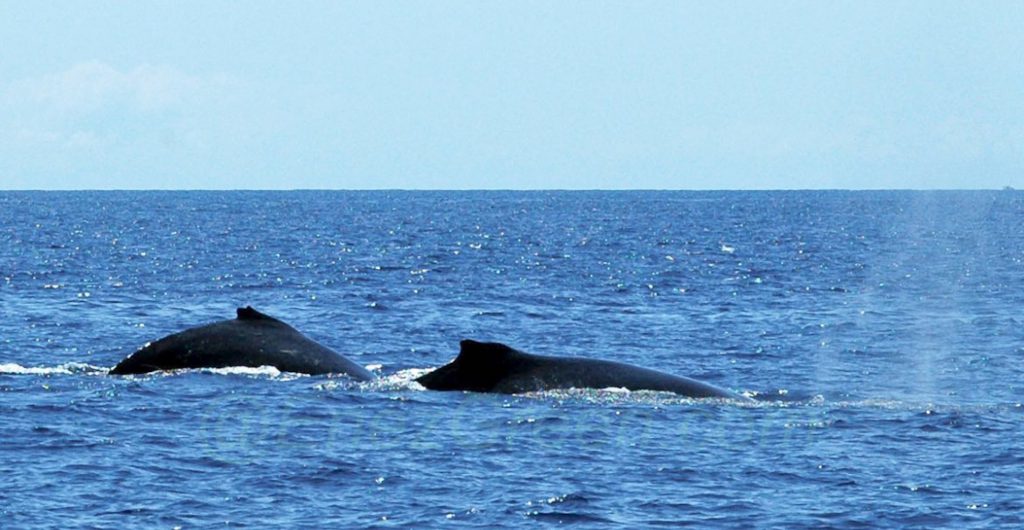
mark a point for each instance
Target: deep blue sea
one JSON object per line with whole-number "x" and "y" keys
{"x": 880, "y": 333}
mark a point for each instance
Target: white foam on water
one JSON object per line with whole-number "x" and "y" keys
{"x": 270, "y": 373}
{"x": 63, "y": 369}
{"x": 251, "y": 371}
{"x": 400, "y": 380}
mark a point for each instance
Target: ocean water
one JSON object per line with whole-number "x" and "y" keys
{"x": 880, "y": 334}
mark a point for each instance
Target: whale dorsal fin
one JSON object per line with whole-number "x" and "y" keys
{"x": 248, "y": 313}
{"x": 474, "y": 353}
{"x": 478, "y": 367}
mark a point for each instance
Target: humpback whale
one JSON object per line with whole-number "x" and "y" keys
{"x": 495, "y": 367}
{"x": 251, "y": 339}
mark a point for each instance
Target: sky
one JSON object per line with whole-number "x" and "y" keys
{"x": 511, "y": 94}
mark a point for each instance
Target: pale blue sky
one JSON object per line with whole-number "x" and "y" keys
{"x": 488, "y": 94}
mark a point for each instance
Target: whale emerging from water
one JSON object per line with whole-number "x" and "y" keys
{"x": 495, "y": 367}
{"x": 252, "y": 339}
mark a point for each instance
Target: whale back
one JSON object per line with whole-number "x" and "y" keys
{"x": 495, "y": 367}
{"x": 479, "y": 367}
{"x": 250, "y": 339}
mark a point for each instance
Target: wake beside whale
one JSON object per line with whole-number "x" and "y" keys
{"x": 497, "y": 368}
{"x": 252, "y": 339}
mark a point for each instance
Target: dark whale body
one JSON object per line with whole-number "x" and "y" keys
{"x": 495, "y": 367}
{"x": 251, "y": 339}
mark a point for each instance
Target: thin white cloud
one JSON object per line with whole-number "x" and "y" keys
{"x": 91, "y": 85}
{"x": 92, "y": 106}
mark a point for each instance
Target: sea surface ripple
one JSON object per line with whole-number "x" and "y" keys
{"x": 879, "y": 332}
